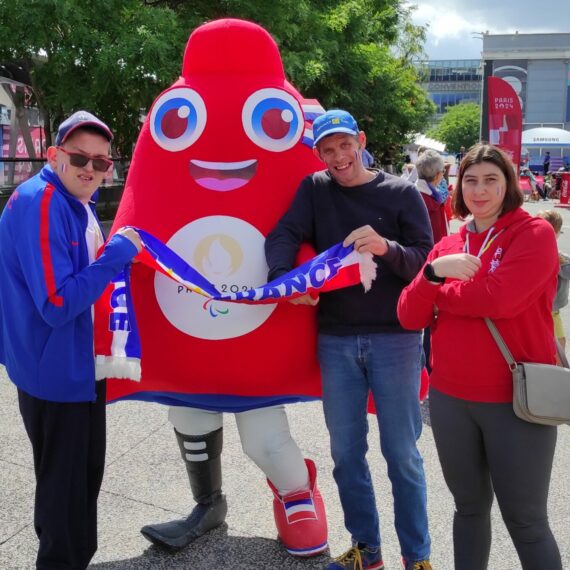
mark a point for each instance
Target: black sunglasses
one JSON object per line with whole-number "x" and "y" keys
{"x": 81, "y": 160}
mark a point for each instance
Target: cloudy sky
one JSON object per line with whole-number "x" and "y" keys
{"x": 452, "y": 23}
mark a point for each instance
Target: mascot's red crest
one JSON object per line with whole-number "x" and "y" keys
{"x": 218, "y": 161}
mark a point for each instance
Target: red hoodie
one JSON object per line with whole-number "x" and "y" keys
{"x": 515, "y": 287}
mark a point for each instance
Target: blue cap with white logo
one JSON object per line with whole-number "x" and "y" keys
{"x": 334, "y": 121}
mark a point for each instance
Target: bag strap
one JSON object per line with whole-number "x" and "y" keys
{"x": 501, "y": 343}
{"x": 507, "y": 353}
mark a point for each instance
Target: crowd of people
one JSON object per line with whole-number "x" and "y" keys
{"x": 503, "y": 264}
{"x": 542, "y": 184}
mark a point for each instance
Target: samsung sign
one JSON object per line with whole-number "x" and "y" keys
{"x": 546, "y": 136}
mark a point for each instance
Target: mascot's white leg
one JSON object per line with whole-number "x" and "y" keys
{"x": 297, "y": 504}
{"x": 200, "y": 437}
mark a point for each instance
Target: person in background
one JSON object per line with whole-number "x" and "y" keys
{"x": 430, "y": 169}
{"x": 410, "y": 174}
{"x": 503, "y": 265}
{"x": 367, "y": 159}
{"x": 546, "y": 163}
{"x": 446, "y": 189}
{"x": 49, "y": 238}
{"x": 537, "y": 189}
{"x": 409, "y": 170}
{"x": 443, "y": 185}
{"x": 554, "y": 218}
{"x": 459, "y": 156}
{"x": 556, "y": 182}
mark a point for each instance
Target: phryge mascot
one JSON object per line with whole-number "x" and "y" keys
{"x": 217, "y": 162}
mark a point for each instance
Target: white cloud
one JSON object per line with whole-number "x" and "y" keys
{"x": 450, "y": 35}
{"x": 452, "y": 23}
{"x": 444, "y": 24}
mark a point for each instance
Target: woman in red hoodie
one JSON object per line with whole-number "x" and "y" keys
{"x": 502, "y": 265}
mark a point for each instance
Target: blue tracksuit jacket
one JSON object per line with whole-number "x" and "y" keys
{"x": 47, "y": 288}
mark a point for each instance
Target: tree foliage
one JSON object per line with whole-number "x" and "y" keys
{"x": 353, "y": 54}
{"x": 109, "y": 56}
{"x": 459, "y": 126}
{"x": 115, "y": 56}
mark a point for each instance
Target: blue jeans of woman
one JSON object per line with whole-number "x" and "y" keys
{"x": 388, "y": 365}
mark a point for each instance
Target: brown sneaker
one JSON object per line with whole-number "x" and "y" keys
{"x": 417, "y": 565}
{"x": 358, "y": 558}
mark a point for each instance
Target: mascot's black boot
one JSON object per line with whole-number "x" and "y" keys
{"x": 202, "y": 455}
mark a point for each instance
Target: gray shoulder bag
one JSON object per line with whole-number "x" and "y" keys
{"x": 541, "y": 392}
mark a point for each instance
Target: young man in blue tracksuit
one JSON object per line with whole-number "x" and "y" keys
{"x": 49, "y": 238}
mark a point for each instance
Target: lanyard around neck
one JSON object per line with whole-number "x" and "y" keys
{"x": 486, "y": 242}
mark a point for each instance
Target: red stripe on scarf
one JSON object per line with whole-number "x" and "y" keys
{"x": 103, "y": 336}
{"x": 347, "y": 276}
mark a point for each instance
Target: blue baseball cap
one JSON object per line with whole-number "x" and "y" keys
{"x": 81, "y": 119}
{"x": 334, "y": 121}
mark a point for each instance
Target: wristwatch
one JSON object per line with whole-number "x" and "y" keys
{"x": 430, "y": 275}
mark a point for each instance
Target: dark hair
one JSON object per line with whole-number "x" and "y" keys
{"x": 482, "y": 152}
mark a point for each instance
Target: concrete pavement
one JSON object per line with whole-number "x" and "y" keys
{"x": 146, "y": 482}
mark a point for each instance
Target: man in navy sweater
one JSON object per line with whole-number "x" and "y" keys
{"x": 49, "y": 238}
{"x": 361, "y": 345}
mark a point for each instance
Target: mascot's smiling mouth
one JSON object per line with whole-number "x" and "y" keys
{"x": 222, "y": 176}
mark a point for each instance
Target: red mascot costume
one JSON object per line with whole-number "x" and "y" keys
{"x": 218, "y": 161}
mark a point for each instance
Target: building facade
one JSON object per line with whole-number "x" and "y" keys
{"x": 537, "y": 66}
{"x": 450, "y": 82}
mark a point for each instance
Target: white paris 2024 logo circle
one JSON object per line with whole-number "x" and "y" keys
{"x": 229, "y": 253}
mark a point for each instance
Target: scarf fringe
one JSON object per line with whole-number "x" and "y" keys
{"x": 121, "y": 367}
{"x": 368, "y": 269}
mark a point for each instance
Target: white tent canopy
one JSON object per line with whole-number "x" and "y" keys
{"x": 546, "y": 137}
{"x": 422, "y": 140}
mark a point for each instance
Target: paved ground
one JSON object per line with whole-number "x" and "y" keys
{"x": 146, "y": 482}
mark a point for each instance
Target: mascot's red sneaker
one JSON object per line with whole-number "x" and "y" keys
{"x": 301, "y": 519}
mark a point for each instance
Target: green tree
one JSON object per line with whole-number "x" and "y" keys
{"x": 114, "y": 56}
{"x": 354, "y": 54}
{"x": 459, "y": 126}
{"x": 109, "y": 56}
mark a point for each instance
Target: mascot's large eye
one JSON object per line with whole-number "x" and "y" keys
{"x": 178, "y": 119}
{"x": 273, "y": 119}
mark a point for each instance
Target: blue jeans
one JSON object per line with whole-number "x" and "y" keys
{"x": 388, "y": 364}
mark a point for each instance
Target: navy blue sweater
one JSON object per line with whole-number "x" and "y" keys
{"x": 323, "y": 213}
